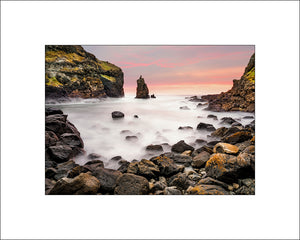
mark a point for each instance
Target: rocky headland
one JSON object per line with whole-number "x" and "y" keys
{"x": 71, "y": 72}
{"x": 241, "y": 97}
{"x": 142, "y": 90}
{"x": 223, "y": 166}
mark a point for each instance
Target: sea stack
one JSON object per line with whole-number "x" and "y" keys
{"x": 142, "y": 89}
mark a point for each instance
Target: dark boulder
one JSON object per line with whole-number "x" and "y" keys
{"x": 82, "y": 184}
{"x": 212, "y": 116}
{"x": 76, "y": 171}
{"x": 72, "y": 139}
{"x": 200, "y": 141}
{"x": 136, "y": 116}
{"x": 152, "y": 96}
{"x": 220, "y": 132}
{"x": 52, "y": 111}
{"x": 93, "y": 164}
{"x": 211, "y": 144}
{"x": 206, "y": 127}
{"x": 154, "y": 148}
{"x": 200, "y": 160}
{"x": 50, "y": 172}
{"x": 180, "y": 181}
{"x": 117, "y": 114}
{"x": 167, "y": 166}
{"x": 131, "y": 138}
{"x": 185, "y": 108}
{"x": 179, "y": 158}
{"x": 227, "y": 120}
{"x": 63, "y": 169}
{"x": 60, "y": 153}
{"x": 144, "y": 168}
{"x": 248, "y": 117}
{"x": 123, "y": 166}
{"x": 185, "y": 128}
{"x": 130, "y": 184}
{"x": 93, "y": 156}
{"x": 237, "y": 137}
{"x": 181, "y": 146}
{"x": 108, "y": 178}
{"x": 116, "y": 158}
{"x": 50, "y": 139}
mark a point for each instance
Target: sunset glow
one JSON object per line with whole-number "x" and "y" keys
{"x": 178, "y": 69}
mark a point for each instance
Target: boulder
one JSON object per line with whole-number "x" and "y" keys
{"x": 185, "y": 128}
{"x": 72, "y": 139}
{"x": 220, "y": 132}
{"x": 59, "y": 124}
{"x": 212, "y": 143}
{"x": 200, "y": 160}
{"x": 227, "y": 120}
{"x": 203, "y": 148}
{"x": 144, "y": 168}
{"x": 50, "y": 172}
{"x": 248, "y": 117}
{"x": 142, "y": 89}
{"x": 52, "y": 111}
{"x": 180, "y": 181}
{"x": 117, "y": 114}
{"x": 76, "y": 171}
{"x": 136, "y": 116}
{"x": 94, "y": 156}
{"x": 229, "y": 168}
{"x": 212, "y": 116}
{"x": 116, "y": 158}
{"x": 181, "y": 146}
{"x": 203, "y": 189}
{"x": 131, "y": 138}
{"x": 60, "y": 153}
{"x": 200, "y": 141}
{"x": 49, "y": 184}
{"x": 206, "y": 127}
{"x": 171, "y": 191}
{"x": 108, "y": 178}
{"x": 50, "y": 138}
{"x": 237, "y": 137}
{"x": 211, "y": 181}
{"x": 179, "y": 158}
{"x": 82, "y": 184}
{"x": 225, "y": 148}
{"x": 63, "y": 169}
{"x": 232, "y": 130}
{"x": 167, "y": 166}
{"x": 130, "y": 184}
{"x": 123, "y": 166}
{"x": 151, "y": 147}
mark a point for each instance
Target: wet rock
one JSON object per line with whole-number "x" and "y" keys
{"x": 72, "y": 139}
{"x": 179, "y": 158}
{"x": 187, "y": 153}
{"x": 248, "y": 117}
{"x": 131, "y": 138}
{"x": 212, "y": 116}
{"x": 203, "y": 189}
{"x": 82, "y": 184}
{"x": 180, "y": 181}
{"x": 116, "y": 158}
{"x": 203, "y": 148}
{"x": 236, "y": 124}
{"x": 59, "y": 124}
{"x": 200, "y": 160}
{"x": 225, "y": 148}
{"x": 250, "y": 149}
{"x": 50, "y": 172}
{"x": 108, "y": 178}
{"x": 171, "y": 191}
{"x": 76, "y": 171}
{"x": 237, "y": 137}
{"x": 117, "y": 114}
{"x": 60, "y": 153}
{"x": 144, "y": 168}
{"x": 200, "y": 141}
{"x": 211, "y": 144}
{"x": 181, "y": 146}
{"x": 211, "y": 181}
{"x": 50, "y": 164}
{"x": 184, "y": 108}
{"x": 136, "y": 116}
{"x": 94, "y": 156}
{"x": 49, "y": 184}
{"x": 130, "y": 184}
{"x": 220, "y": 132}
{"x": 185, "y": 128}
{"x": 50, "y": 139}
{"x": 206, "y": 127}
{"x": 142, "y": 90}
{"x": 64, "y": 168}
{"x": 154, "y": 148}
{"x": 229, "y": 168}
{"x": 196, "y": 99}
{"x": 93, "y": 164}
{"x": 123, "y": 166}
{"x": 52, "y": 111}
{"x": 232, "y": 130}
{"x": 167, "y": 166}
{"x": 227, "y": 120}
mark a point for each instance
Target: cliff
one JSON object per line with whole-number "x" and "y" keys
{"x": 241, "y": 97}
{"x": 70, "y": 72}
{"x": 142, "y": 90}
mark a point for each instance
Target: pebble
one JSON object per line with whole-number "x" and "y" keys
{"x": 235, "y": 185}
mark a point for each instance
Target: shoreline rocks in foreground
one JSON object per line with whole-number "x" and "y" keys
{"x": 222, "y": 167}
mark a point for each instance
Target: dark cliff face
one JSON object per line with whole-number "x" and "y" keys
{"x": 142, "y": 89}
{"x": 241, "y": 97}
{"x": 70, "y": 71}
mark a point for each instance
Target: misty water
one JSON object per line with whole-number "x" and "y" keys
{"x": 157, "y": 123}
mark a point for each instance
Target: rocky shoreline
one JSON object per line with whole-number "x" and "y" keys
{"x": 223, "y": 166}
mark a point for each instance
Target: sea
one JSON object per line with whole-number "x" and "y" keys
{"x": 157, "y": 123}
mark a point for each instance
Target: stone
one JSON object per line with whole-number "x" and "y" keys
{"x": 248, "y": 182}
{"x": 212, "y": 116}
{"x": 167, "y": 166}
{"x": 220, "y": 132}
{"x": 227, "y": 120}
{"x": 203, "y": 148}
{"x": 94, "y": 156}
{"x": 151, "y": 147}
{"x": 250, "y": 149}
{"x": 72, "y": 139}
{"x": 185, "y": 128}
{"x": 144, "y": 168}
{"x": 171, "y": 191}
{"x": 248, "y": 117}
{"x": 76, "y": 171}
{"x": 136, "y": 116}
{"x": 206, "y": 127}
{"x": 116, "y": 158}
{"x": 82, "y": 184}
{"x": 211, "y": 181}
{"x": 203, "y": 189}
{"x": 131, "y": 138}
{"x": 59, "y": 124}
{"x": 187, "y": 153}
{"x": 152, "y": 96}
{"x": 117, "y": 114}
{"x": 126, "y": 132}
{"x": 108, "y": 178}
{"x": 49, "y": 184}
{"x": 184, "y": 108}
{"x": 229, "y": 168}
{"x": 200, "y": 160}
{"x": 232, "y": 130}
{"x": 130, "y": 184}
{"x": 225, "y": 148}
{"x": 235, "y": 185}
{"x": 180, "y": 181}
{"x": 123, "y": 166}
{"x": 60, "y": 153}
{"x": 243, "y": 190}
{"x": 179, "y": 158}
{"x": 142, "y": 90}
{"x": 50, "y": 172}
{"x": 200, "y": 141}
{"x": 63, "y": 169}
{"x": 237, "y": 137}
{"x": 50, "y": 139}
{"x": 236, "y": 124}
{"x": 181, "y": 146}
{"x": 52, "y": 111}
{"x": 212, "y": 143}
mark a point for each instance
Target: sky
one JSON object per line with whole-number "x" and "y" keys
{"x": 182, "y": 69}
